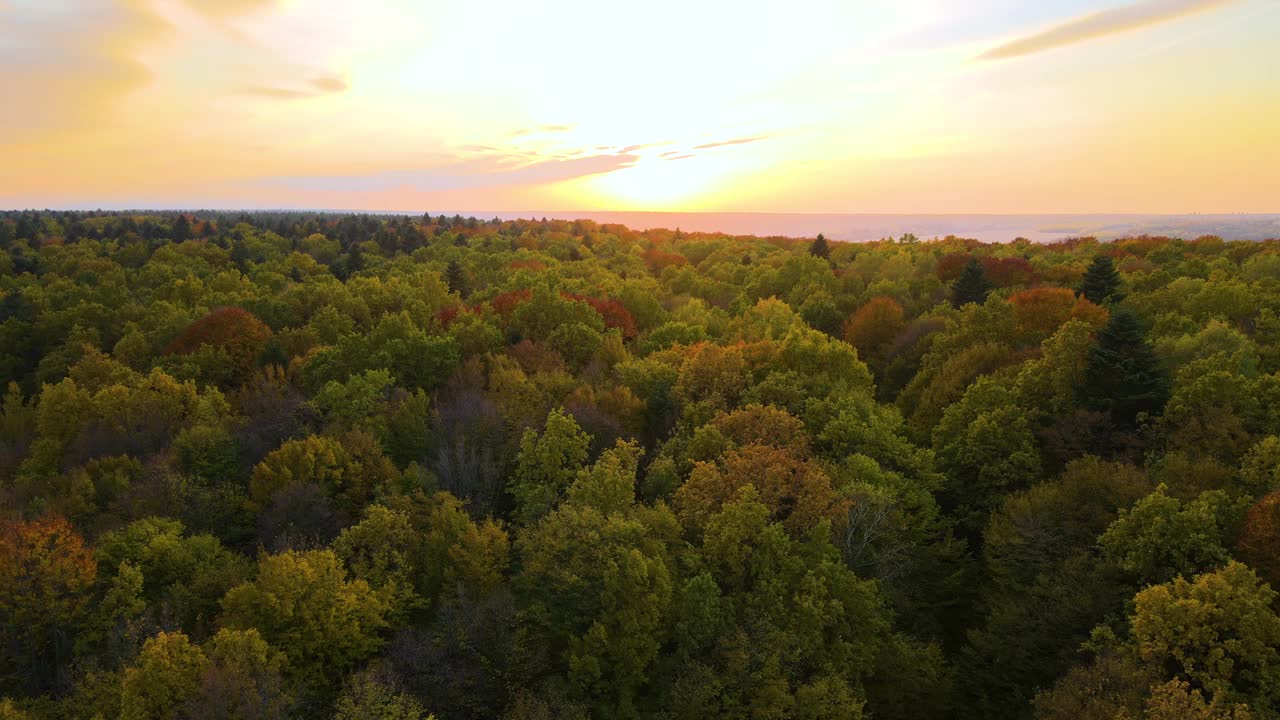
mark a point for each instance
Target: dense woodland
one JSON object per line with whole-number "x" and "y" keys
{"x": 303, "y": 465}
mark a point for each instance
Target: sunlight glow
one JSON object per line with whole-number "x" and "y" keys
{"x": 821, "y": 105}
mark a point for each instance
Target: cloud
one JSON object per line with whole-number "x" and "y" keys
{"x": 543, "y": 130}
{"x": 329, "y": 84}
{"x": 226, "y": 8}
{"x": 315, "y": 87}
{"x": 1100, "y": 24}
{"x": 66, "y": 68}
{"x": 481, "y": 172}
{"x": 646, "y": 146}
{"x": 276, "y": 93}
{"x": 735, "y": 141}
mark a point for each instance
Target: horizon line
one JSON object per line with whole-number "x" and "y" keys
{"x": 477, "y": 213}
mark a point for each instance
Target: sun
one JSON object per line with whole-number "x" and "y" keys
{"x": 681, "y": 183}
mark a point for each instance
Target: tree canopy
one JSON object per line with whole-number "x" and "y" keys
{"x": 312, "y": 465}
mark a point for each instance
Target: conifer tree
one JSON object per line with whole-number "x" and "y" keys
{"x": 1124, "y": 377}
{"x": 181, "y": 229}
{"x": 240, "y": 254}
{"x": 820, "y": 247}
{"x": 456, "y": 278}
{"x": 1101, "y": 283}
{"x": 971, "y": 286}
{"x": 355, "y": 259}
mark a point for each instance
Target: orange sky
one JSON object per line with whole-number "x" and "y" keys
{"x": 808, "y": 106}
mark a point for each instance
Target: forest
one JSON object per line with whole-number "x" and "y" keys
{"x": 307, "y": 465}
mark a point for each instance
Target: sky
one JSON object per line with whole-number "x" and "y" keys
{"x": 819, "y": 106}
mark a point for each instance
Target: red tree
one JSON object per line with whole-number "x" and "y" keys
{"x": 615, "y": 314}
{"x": 234, "y": 330}
{"x": 507, "y": 302}
{"x": 1259, "y": 540}
{"x": 874, "y": 325}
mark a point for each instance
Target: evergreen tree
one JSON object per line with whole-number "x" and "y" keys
{"x": 820, "y": 248}
{"x": 456, "y": 278}
{"x": 355, "y": 259}
{"x": 1124, "y": 377}
{"x": 971, "y": 286}
{"x": 181, "y": 229}
{"x": 1101, "y": 283}
{"x": 240, "y": 254}
{"x": 28, "y": 228}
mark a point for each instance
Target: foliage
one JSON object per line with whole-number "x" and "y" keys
{"x": 1124, "y": 377}
{"x": 304, "y": 603}
{"x": 1218, "y": 632}
{"x": 289, "y": 464}
{"x": 46, "y": 576}
{"x": 971, "y": 286}
{"x": 1101, "y": 282}
{"x": 1160, "y": 538}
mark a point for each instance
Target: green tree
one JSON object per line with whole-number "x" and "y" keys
{"x": 576, "y": 342}
{"x": 350, "y": 470}
{"x": 181, "y": 228}
{"x": 456, "y": 278}
{"x": 986, "y": 448}
{"x": 1101, "y": 282}
{"x": 304, "y": 604}
{"x": 546, "y": 466}
{"x": 1045, "y": 587}
{"x": 349, "y": 404}
{"x": 597, "y": 585}
{"x": 773, "y": 626}
{"x": 355, "y": 259}
{"x": 820, "y": 248}
{"x": 420, "y": 549}
{"x": 1124, "y": 377}
{"x": 971, "y": 286}
{"x": 370, "y": 697}
{"x": 236, "y": 676}
{"x": 184, "y": 576}
{"x": 242, "y": 680}
{"x": 1218, "y": 632}
{"x": 1160, "y": 538}
{"x": 164, "y": 678}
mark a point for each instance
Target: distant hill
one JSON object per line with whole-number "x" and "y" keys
{"x": 988, "y": 228}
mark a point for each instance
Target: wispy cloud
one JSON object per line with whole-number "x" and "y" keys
{"x": 329, "y": 84}
{"x": 646, "y": 146}
{"x": 479, "y": 172}
{"x": 316, "y": 87}
{"x": 543, "y": 130}
{"x": 735, "y": 141}
{"x": 1100, "y": 24}
{"x": 225, "y": 8}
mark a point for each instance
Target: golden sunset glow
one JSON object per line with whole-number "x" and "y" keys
{"x": 810, "y": 106}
